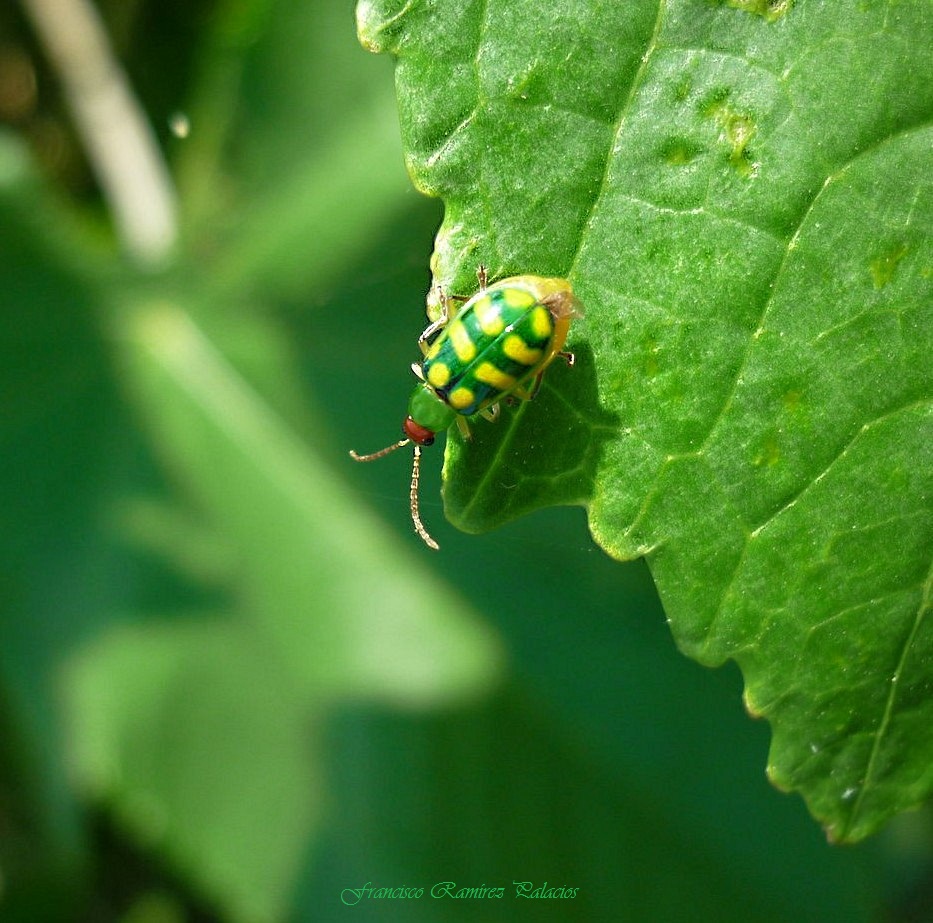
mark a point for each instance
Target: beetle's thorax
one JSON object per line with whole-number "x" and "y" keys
{"x": 428, "y": 413}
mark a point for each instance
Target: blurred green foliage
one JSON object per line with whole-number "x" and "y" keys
{"x": 232, "y": 683}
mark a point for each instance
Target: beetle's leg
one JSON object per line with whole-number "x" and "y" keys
{"x": 490, "y": 413}
{"x": 464, "y": 427}
{"x": 528, "y": 394}
{"x": 435, "y": 327}
{"x": 432, "y": 330}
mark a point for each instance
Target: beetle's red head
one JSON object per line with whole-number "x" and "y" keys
{"x": 418, "y": 434}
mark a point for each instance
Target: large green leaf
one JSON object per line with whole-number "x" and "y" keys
{"x": 740, "y": 193}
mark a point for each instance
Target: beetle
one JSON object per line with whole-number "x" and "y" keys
{"x": 496, "y": 346}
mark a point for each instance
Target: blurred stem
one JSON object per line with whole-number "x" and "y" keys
{"x": 117, "y": 137}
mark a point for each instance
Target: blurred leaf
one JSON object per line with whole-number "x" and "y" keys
{"x": 210, "y": 709}
{"x": 302, "y": 233}
{"x": 293, "y": 160}
{"x": 205, "y": 714}
{"x": 58, "y": 414}
{"x": 751, "y": 239}
{"x": 332, "y": 592}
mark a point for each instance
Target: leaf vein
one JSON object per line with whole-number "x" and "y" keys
{"x": 862, "y": 429}
{"x": 789, "y": 249}
{"x": 864, "y": 604}
{"x": 885, "y": 722}
{"x": 624, "y": 111}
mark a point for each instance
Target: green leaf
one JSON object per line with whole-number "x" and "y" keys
{"x": 200, "y": 719}
{"x": 741, "y": 196}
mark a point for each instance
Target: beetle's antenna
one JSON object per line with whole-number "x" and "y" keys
{"x": 413, "y": 495}
{"x": 381, "y": 453}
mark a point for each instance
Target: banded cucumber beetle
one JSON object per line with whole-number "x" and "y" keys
{"x": 496, "y": 346}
